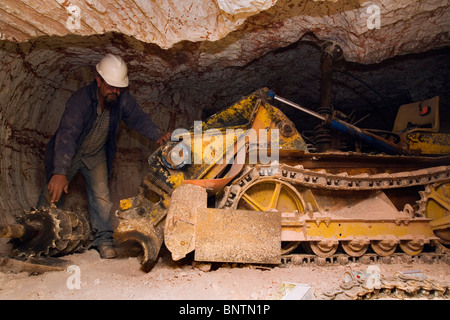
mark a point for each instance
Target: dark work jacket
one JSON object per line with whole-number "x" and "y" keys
{"x": 77, "y": 121}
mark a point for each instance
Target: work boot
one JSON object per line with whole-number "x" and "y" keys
{"x": 107, "y": 251}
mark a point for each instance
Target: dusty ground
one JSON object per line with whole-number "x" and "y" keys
{"x": 122, "y": 279}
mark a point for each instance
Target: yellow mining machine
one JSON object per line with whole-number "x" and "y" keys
{"x": 243, "y": 186}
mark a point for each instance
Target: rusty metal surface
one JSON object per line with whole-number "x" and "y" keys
{"x": 48, "y": 232}
{"x": 141, "y": 232}
{"x": 32, "y": 265}
{"x": 434, "y": 203}
{"x": 215, "y": 185}
{"x": 243, "y": 236}
{"x": 403, "y": 285}
{"x": 426, "y": 143}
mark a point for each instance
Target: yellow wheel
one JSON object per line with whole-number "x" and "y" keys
{"x": 411, "y": 247}
{"x": 384, "y": 247}
{"x": 272, "y": 195}
{"x": 435, "y": 205}
{"x": 324, "y": 248}
{"x": 355, "y": 248}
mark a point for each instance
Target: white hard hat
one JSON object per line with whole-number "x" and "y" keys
{"x": 113, "y": 70}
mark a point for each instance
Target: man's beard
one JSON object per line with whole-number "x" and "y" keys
{"x": 110, "y": 100}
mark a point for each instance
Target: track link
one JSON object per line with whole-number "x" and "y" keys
{"x": 372, "y": 285}
{"x": 368, "y": 258}
{"x": 321, "y": 179}
{"x": 399, "y": 286}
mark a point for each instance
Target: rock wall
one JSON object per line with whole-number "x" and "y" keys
{"x": 161, "y": 22}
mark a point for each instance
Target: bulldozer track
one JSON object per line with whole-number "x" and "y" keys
{"x": 343, "y": 181}
{"x": 368, "y": 258}
{"x": 323, "y": 180}
{"x": 298, "y": 175}
{"x": 399, "y": 286}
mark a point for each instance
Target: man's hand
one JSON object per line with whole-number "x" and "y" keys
{"x": 57, "y": 184}
{"x": 164, "y": 138}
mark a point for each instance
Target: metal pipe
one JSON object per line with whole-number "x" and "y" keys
{"x": 13, "y": 231}
{"x": 322, "y": 134}
{"x": 331, "y": 52}
{"x": 346, "y": 128}
{"x": 325, "y": 85}
{"x": 292, "y": 104}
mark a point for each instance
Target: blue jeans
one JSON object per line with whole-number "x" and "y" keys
{"x": 99, "y": 204}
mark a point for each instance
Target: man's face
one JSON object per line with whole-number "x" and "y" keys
{"x": 109, "y": 93}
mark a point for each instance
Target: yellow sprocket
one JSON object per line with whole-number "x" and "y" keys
{"x": 435, "y": 204}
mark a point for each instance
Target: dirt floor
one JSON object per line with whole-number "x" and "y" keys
{"x": 122, "y": 279}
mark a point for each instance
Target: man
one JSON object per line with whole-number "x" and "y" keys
{"x": 86, "y": 142}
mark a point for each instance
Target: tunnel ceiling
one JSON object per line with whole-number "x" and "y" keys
{"x": 189, "y": 58}
{"x": 194, "y": 56}
{"x": 257, "y": 26}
